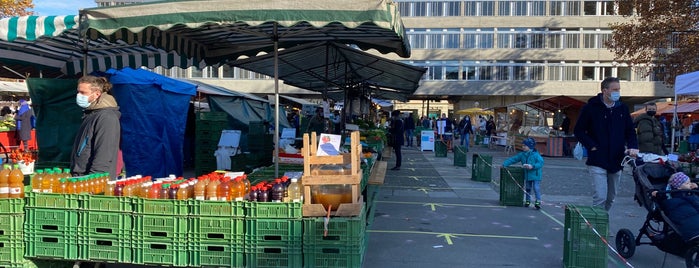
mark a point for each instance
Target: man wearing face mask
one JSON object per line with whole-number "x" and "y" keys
{"x": 605, "y": 128}
{"x": 649, "y": 131}
{"x": 97, "y": 142}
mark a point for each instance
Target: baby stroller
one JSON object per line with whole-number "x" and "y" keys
{"x": 658, "y": 229}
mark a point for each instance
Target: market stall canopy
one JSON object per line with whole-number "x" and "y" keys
{"x": 51, "y": 47}
{"x": 683, "y": 108}
{"x": 329, "y": 66}
{"x": 687, "y": 84}
{"x": 217, "y": 31}
{"x": 553, "y": 104}
{"x": 296, "y": 100}
{"x": 221, "y": 91}
{"x": 474, "y": 111}
{"x": 13, "y": 87}
{"x": 663, "y": 107}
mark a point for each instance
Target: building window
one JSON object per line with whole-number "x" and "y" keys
{"x": 623, "y": 73}
{"x": 451, "y": 70}
{"x": 521, "y": 38}
{"x": 596, "y": 38}
{"x": 564, "y": 8}
{"x": 485, "y": 73}
{"x": 600, "y": 8}
{"x": 563, "y": 38}
{"x": 477, "y": 38}
{"x": 479, "y": 8}
{"x": 588, "y": 73}
{"x": 521, "y": 8}
{"x": 227, "y": 71}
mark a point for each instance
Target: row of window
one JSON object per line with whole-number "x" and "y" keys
{"x": 427, "y": 8}
{"x": 467, "y": 70}
{"x": 507, "y": 38}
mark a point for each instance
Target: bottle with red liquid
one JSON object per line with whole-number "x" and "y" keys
{"x": 278, "y": 190}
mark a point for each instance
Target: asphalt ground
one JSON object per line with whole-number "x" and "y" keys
{"x": 431, "y": 214}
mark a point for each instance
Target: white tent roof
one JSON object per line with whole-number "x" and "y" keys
{"x": 6, "y": 86}
{"x": 687, "y": 84}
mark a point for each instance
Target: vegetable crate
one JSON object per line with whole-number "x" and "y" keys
{"x": 581, "y": 246}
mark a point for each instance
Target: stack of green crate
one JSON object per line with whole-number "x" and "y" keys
{"x": 216, "y": 234}
{"x": 460, "y": 156}
{"x": 512, "y": 186}
{"x": 51, "y": 226}
{"x": 582, "y": 247}
{"x": 11, "y": 224}
{"x": 208, "y": 129}
{"x": 104, "y": 234}
{"x": 160, "y": 232}
{"x": 273, "y": 234}
{"x": 343, "y": 245}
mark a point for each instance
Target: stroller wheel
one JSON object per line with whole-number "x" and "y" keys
{"x": 625, "y": 243}
{"x": 692, "y": 257}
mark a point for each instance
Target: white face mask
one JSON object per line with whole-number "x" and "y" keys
{"x": 82, "y": 100}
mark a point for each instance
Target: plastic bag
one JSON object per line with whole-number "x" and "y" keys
{"x": 578, "y": 151}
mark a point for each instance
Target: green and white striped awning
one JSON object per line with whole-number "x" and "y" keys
{"x": 218, "y": 31}
{"x": 51, "y": 46}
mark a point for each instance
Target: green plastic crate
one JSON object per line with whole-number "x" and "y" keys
{"x": 11, "y": 226}
{"x": 273, "y": 230}
{"x": 216, "y": 208}
{"x": 460, "y": 156}
{"x": 216, "y": 255}
{"x": 481, "y": 167}
{"x": 11, "y": 250}
{"x": 333, "y": 255}
{"x": 372, "y": 191}
{"x": 581, "y": 246}
{"x": 106, "y": 203}
{"x": 51, "y": 220}
{"x": 212, "y": 116}
{"x": 273, "y": 255}
{"x": 51, "y": 245}
{"x": 163, "y": 207}
{"x": 105, "y": 248}
{"x": 215, "y": 230}
{"x": 512, "y": 186}
{"x": 48, "y": 200}
{"x": 440, "y": 149}
{"x": 105, "y": 223}
{"x": 166, "y": 252}
{"x": 273, "y": 210}
{"x": 160, "y": 227}
{"x": 340, "y": 230}
{"x": 11, "y": 206}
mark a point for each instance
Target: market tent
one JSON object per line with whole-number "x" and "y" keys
{"x": 663, "y": 107}
{"x": 474, "y": 111}
{"x": 330, "y": 66}
{"x": 7, "y": 87}
{"x": 152, "y": 121}
{"x": 682, "y": 107}
{"x": 51, "y": 47}
{"x": 685, "y": 84}
{"x": 553, "y": 104}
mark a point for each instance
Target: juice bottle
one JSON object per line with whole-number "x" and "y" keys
{"x": 16, "y": 183}
{"x": 96, "y": 184}
{"x": 109, "y": 189}
{"x": 5, "y": 181}
{"x": 154, "y": 191}
{"x": 240, "y": 189}
{"x": 46, "y": 181}
{"x": 63, "y": 186}
{"x": 200, "y": 189}
{"x": 224, "y": 190}
{"x": 246, "y": 183}
{"x": 162, "y": 193}
{"x": 294, "y": 191}
{"x": 37, "y": 180}
{"x": 212, "y": 189}
{"x": 172, "y": 192}
{"x": 119, "y": 189}
{"x": 182, "y": 193}
{"x": 190, "y": 188}
{"x": 263, "y": 195}
{"x": 252, "y": 195}
{"x": 278, "y": 190}
{"x": 129, "y": 189}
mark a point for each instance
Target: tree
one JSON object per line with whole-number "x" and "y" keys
{"x": 10, "y": 8}
{"x": 660, "y": 37}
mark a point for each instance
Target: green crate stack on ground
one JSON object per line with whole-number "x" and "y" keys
{"x": 582, "y": 247}
{"x": 260, "y": 145}
{"x": 481, "y": 167}
{"x": 512, "y": 186}
{"x": 460, "y": 156}
{"x": 51, "y": 226}
{"x": 267, "y": 173}
{"x": 343, "y": 245}
{"x": 208, "y": 127}
{"x": 160, "y": 232}
{"x": 11, "y": 233}
{"x": 440, "y": 148}
{"x": 105, "y": 231}
{"x": 273, "y": 234}
{"x": 216, "y": 234}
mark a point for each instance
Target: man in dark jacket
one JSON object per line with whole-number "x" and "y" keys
{"x": 649, "y": 131}
{"x": 396, "y": 130}
{"x": 409, "y": 127}
{"x": 96, "y": 145}
{"x": 605, "y": 128}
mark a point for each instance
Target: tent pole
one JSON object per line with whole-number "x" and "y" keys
{"x": 276, "y": 102}
{"x": 674, "y": 124}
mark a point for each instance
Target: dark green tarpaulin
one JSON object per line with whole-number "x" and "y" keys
{"x": 57, "y": 119}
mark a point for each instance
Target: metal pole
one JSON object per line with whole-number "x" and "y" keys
{"x": 674, "y": 124}
{"x": 276, "y": 102}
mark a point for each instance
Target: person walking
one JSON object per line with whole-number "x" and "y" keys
{"x": 649, "y": 132}
{"x": 396, "y": 130}
{"x": 605, "y": 128}
{"x": 532, "y": 162}
{"x": 466, "y": 129}
{"x": 96, "y": 145}
{"x": 409, "y": 127}
{"x": 25, "y": 123}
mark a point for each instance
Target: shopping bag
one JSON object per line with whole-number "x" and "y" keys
{"x": 578, "y": 151}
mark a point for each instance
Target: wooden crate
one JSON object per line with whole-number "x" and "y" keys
{"x": 352, "y": 177}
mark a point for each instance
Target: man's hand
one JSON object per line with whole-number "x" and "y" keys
{"x": 632, "y": 152}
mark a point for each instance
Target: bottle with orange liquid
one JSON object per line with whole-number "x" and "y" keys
{"x": 183, "y": 192}
{"x": 224, "y": 190}
{"x": 16, "y": 183}
{"x": 246, "y": 184}
{"x": 238, "y": 189}
{"x": 212, "y": 189}
{"x": 37, "y": 180}
{"x": 62, "y": 186}
{"x": 172, "y": 192}
{"x": 162, "y": 193}
{"x": 47, "y": 181}
{"x": 200, "y": 189}
{"x": 5, "y": 181}
{"x": 109, "y": 189}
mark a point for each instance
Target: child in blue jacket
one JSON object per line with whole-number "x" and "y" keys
{"x": 532, "y": 162}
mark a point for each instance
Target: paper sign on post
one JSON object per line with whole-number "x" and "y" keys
{"x": 329, "y": 144}
{"x": 441, "y": 125}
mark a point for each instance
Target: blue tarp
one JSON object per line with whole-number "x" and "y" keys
{"x": 153, "y": 118}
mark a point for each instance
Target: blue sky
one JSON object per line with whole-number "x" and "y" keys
{"x": 61, "y": 7}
